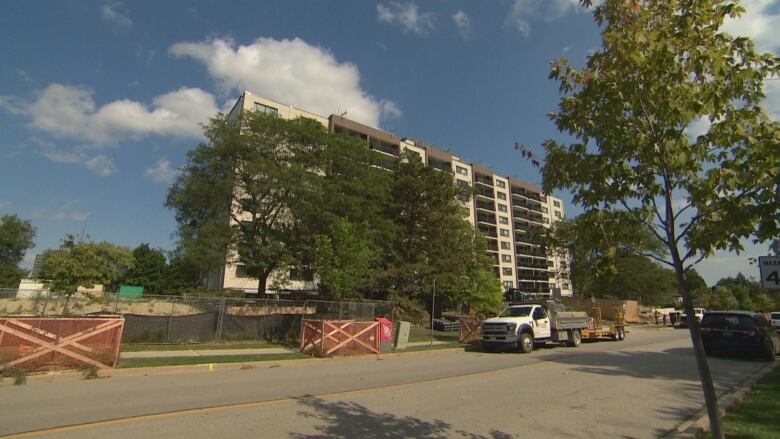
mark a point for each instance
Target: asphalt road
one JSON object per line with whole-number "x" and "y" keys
{"x": 641, "y": 387}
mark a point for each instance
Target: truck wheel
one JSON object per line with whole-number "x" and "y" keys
{"x": 621, "y": 333}
{"x": 525, "y": 343}
{"x": 575, "y": 338}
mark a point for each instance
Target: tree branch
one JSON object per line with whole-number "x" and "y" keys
{"x": 699, "y": 259}
{"x": 654, "y": 257}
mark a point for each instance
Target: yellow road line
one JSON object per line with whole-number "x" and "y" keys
{"x": 253, "y": 404}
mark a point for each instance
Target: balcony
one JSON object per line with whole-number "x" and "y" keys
{"x": 486, "y": 219}
{"x": 490, "y": 207}
{"x": 483, "y": 180}
{"x": 488, "y": 231}
{"x": 440, "y": 165}
{"x": 385, "y": 148}
{"x": 480, "y": 191}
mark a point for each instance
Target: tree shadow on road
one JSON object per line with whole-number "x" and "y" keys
{"x": 674, "y": 364}
{"x": 346, "y": 419}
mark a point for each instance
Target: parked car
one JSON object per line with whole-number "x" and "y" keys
{"x": 739, "y": 332}
{"x": 775, "y": 316}
{"x": 683, "y": 319}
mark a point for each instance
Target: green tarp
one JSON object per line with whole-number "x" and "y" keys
{"x": 131, "y": 291}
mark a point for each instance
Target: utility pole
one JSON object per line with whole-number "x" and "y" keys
{"x": 433, "y": 312}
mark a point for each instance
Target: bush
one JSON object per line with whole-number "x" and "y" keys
{"x": 17, "y": 373}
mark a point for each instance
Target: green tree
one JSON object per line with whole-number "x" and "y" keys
{"x": 149, "y": 269}
{"x": 84, "y": 264}
{"x": 614, "y": 256}
{"x": 720, "y": 298}
{"x": 241, "y": 195}
{"x": 663, "y": 65}
{"x": 16, "y": 237}
{"x": 345, "y": 260}
{"x": 433, "y": 242}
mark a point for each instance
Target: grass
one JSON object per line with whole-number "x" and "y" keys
{"x": 758, "y": 416}
{"x": 199, "y": 346}
{"x": 180, "y": 361}
{"x": 424, "y": 334}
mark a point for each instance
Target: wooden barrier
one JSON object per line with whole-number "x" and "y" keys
{"x": 334, "y": 337}
{"x": 470, "y": 330}
{"x": 37, "y": 343}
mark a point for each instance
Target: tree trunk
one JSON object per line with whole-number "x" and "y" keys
{"x": 262, "y": 280}
{"x": 710, "y": 398}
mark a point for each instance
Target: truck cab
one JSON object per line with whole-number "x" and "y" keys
{"x": 519, "y": 326}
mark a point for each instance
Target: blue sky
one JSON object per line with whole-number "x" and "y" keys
{"x": 100, "y": 101}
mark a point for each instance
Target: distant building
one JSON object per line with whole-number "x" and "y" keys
{"x": 509, "y": 212}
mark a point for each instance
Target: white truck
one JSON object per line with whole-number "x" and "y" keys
{"x": 518, "y": 327}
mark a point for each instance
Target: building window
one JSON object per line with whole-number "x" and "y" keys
{"x": 303, "y": 274}
{"x": 241, "y": 271}
{"x": 565, "y": 285}
{"x": 506, "y": 258}
{"x": 413, "y": 153}
{"x": 461, "y": 170}
{"x": 503, "y": 220}
{"x": 558, "y": 214}
{"x": 545, "y": 210}
{"x": 500, "y": 184}
{"x": 546, "y": 220}
{"x": 504, "y": 232}
{"x": 501, "y": 195}
{"x": 505, "y": 246}
{"x": 556, "y": 203}
{"x": 508, "y": 284}
{"x": 502, "y": 208}
{"x": 271, "y": 111}
{"x": 506, "y": 271}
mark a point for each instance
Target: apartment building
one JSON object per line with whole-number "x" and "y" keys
{"x": 509, "y": 212}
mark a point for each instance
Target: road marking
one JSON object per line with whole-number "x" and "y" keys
{"x": 268, "y": 402}
{"x": 196, "y": 354}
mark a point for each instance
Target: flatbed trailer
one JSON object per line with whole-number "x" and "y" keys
{"x": 599, "y": 328}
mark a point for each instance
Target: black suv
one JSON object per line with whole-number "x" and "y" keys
{"x": 739, "y": 332}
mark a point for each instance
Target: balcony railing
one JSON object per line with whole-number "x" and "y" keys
{"x": 486, "y": 206}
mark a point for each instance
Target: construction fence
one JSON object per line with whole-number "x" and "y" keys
{"x": 179, "y": 319}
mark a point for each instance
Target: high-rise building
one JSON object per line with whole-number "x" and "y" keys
{"x": 510, "y": 213}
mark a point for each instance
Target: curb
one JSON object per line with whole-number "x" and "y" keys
{"x": 73, "y": 375}
{"x": 695, "y": 426}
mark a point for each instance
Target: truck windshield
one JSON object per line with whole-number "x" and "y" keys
{"x": 517, "y": 311}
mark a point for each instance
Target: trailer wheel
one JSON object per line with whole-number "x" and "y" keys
{"x": 575, "y": 338}
{"x": 525, "y": 343}
{"x": 621, "y": 333}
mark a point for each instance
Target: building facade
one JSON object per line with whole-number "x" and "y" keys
{"x": 510, "y": 213}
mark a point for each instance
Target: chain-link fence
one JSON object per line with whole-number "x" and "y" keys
{"x": 179, "y": 319}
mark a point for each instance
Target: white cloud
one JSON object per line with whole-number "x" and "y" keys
{"x": 698, "y": 127}
{"x": 4, "y": 204}
{"x": 390, "y": 109}
{"x": 101, "y": 165}
{"x": 288, "y": 71}
{"x": 69, "y": 112}
{"x": 772, "y": 100}
{"x": 161, "y": 171}
{"x": 463, "y": 22}
{"x": 523, "y": 12}
{"x": 760, "y": 22}
{"x": 408, "y": 16}
{"x": 116, "y": 13}
{"x": 66, "y": 212}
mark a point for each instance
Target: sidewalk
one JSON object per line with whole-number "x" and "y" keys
{"x": 231, "y": 352}
{"x": 206, "y": 353}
